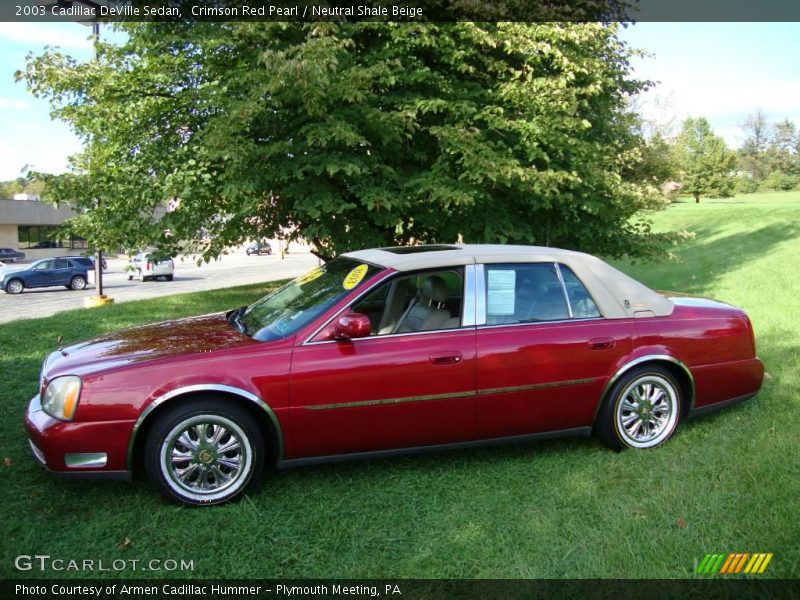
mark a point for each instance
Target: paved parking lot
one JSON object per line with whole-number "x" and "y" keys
{"x": 228, "y": 271}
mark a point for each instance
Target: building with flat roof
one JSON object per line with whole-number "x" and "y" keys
{"x": 34, "y": 227}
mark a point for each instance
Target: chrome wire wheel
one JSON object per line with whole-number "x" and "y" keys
{"x": 206, "y": 458}
{"x": 647, "y": 411}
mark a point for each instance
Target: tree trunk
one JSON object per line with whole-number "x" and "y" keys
{"x": 697, "y": 198}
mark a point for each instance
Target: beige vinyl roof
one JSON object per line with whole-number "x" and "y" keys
{"x": 616, "y": 294}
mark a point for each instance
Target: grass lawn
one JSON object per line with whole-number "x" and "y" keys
{"x": 727, "y": 482}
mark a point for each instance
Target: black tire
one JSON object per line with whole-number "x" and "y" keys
{"x": 209, "y": 468}
{"x": 130, "y": 277}
{"x": 169, "y": 277}
{"x": 78, "y": 283}
{"x": 649, "y": 422}
{"x": 14, "y": 286}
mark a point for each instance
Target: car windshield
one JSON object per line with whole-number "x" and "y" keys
{"x": 297, "y": 303}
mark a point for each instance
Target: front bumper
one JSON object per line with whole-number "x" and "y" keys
{"x": 86, "y": 450}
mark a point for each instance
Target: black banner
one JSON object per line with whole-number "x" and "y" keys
{"x": 399, "y": 10}
{"x": 401, "y": 589}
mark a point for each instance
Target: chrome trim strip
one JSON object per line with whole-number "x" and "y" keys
{"x": 643, "y": 359}
{"x": 38, "y": 455}
{"x": 389, "y": 335}
{"x": 85, "y": 460}
{"x": 469, "y": 305}
{"x": 480, "y": 294}
{"x": 576, "y": 320}
{"x": 391, "y": 401}
{"x": 213, "y": 387}
{"x": 536, "y": 386}
{"x": 483, "y": 392}
{"x": 563, "y": 289}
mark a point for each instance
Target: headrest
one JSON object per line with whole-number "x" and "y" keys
{"x": 434, "y": 288}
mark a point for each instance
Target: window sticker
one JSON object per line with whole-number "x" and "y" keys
{"x": 500, "y": 291}
{"x": 310, "y": 276}
{"x": 354, "y": 277}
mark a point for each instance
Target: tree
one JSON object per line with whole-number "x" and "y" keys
{"x": 352, "y": 135}
{"x": 704, "y": 160}
{"x": 782, "y": 153}
{"x": 751, "y": 154}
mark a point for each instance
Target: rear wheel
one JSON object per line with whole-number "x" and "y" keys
{"x": 15, "y": 286}
{"x": 169, "y": 277}
{"x": 206, "y": 452}
{"x": 641, "y": 411}
{"x": 78, "y": 283}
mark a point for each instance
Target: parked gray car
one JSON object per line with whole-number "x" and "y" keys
{"x": 11, "y": 255}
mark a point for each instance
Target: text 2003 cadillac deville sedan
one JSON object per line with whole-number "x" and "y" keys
{"x": 387, "y": 351}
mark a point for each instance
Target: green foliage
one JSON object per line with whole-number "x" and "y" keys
{"x": 353, "y": 135}
{"x": 783, "y": 153}
{"x": 22, "y": 185}
{"x": 745, "y": 184}
{"x": 751, "y": 154}
{"x": 704, "y": 160}
{"x": 780, "y": 181}
{"x": 769, "y": 149}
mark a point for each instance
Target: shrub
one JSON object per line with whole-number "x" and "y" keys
{"x": 746, "y": 184}
{"x": 780, "y": 181}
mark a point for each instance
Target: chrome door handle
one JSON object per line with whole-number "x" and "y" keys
{"x": 445, "y": 358}
{"x": 601, "y": 343}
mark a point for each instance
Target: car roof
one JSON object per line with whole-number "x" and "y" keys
{"x": 616, "y": 294}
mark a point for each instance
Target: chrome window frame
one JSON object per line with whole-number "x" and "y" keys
{"x": 468, "y": 300}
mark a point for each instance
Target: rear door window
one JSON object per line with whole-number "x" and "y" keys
{"x": 524, "y": 293}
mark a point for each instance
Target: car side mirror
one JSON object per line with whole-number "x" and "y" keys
{"x": 352, "y": 326}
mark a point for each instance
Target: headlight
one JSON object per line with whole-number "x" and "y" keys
{"x": 61, "y": 397}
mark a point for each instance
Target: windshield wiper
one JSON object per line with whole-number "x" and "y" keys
{"x": 235, "y": 318}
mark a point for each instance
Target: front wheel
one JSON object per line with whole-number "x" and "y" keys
{"x": 78, "y": 283}
{"x": 641, "y": 411}
{"x": 169, "y": 277}
{"x": 14, "y": 287}
{"x": 203, "y": 453}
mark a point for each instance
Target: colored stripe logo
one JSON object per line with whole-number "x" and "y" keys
{"x": 734, "y": 563}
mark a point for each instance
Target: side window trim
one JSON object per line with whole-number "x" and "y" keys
{"x": 480, "y": 297}
{"x": 564, "y": 290}
{"x": 467, "y": 290}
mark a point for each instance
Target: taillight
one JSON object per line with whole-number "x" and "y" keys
{"x": 147, "y": 266}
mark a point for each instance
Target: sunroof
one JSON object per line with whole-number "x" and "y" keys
{"x": 417, "y": 249}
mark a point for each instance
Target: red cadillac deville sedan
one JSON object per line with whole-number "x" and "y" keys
{"x": 385, "y": 351}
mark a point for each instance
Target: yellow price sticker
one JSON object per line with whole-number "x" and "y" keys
{"x": 311, "y": 275}
{"x": 354, "y": 277}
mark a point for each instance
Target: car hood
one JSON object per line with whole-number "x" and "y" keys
{"x": 15, "y": 269}
{"x": 194, "y": 335}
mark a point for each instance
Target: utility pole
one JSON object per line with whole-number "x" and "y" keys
{"x": 98, "y": 264}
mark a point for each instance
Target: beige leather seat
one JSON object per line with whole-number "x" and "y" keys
{"x": 427, "y": 312}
